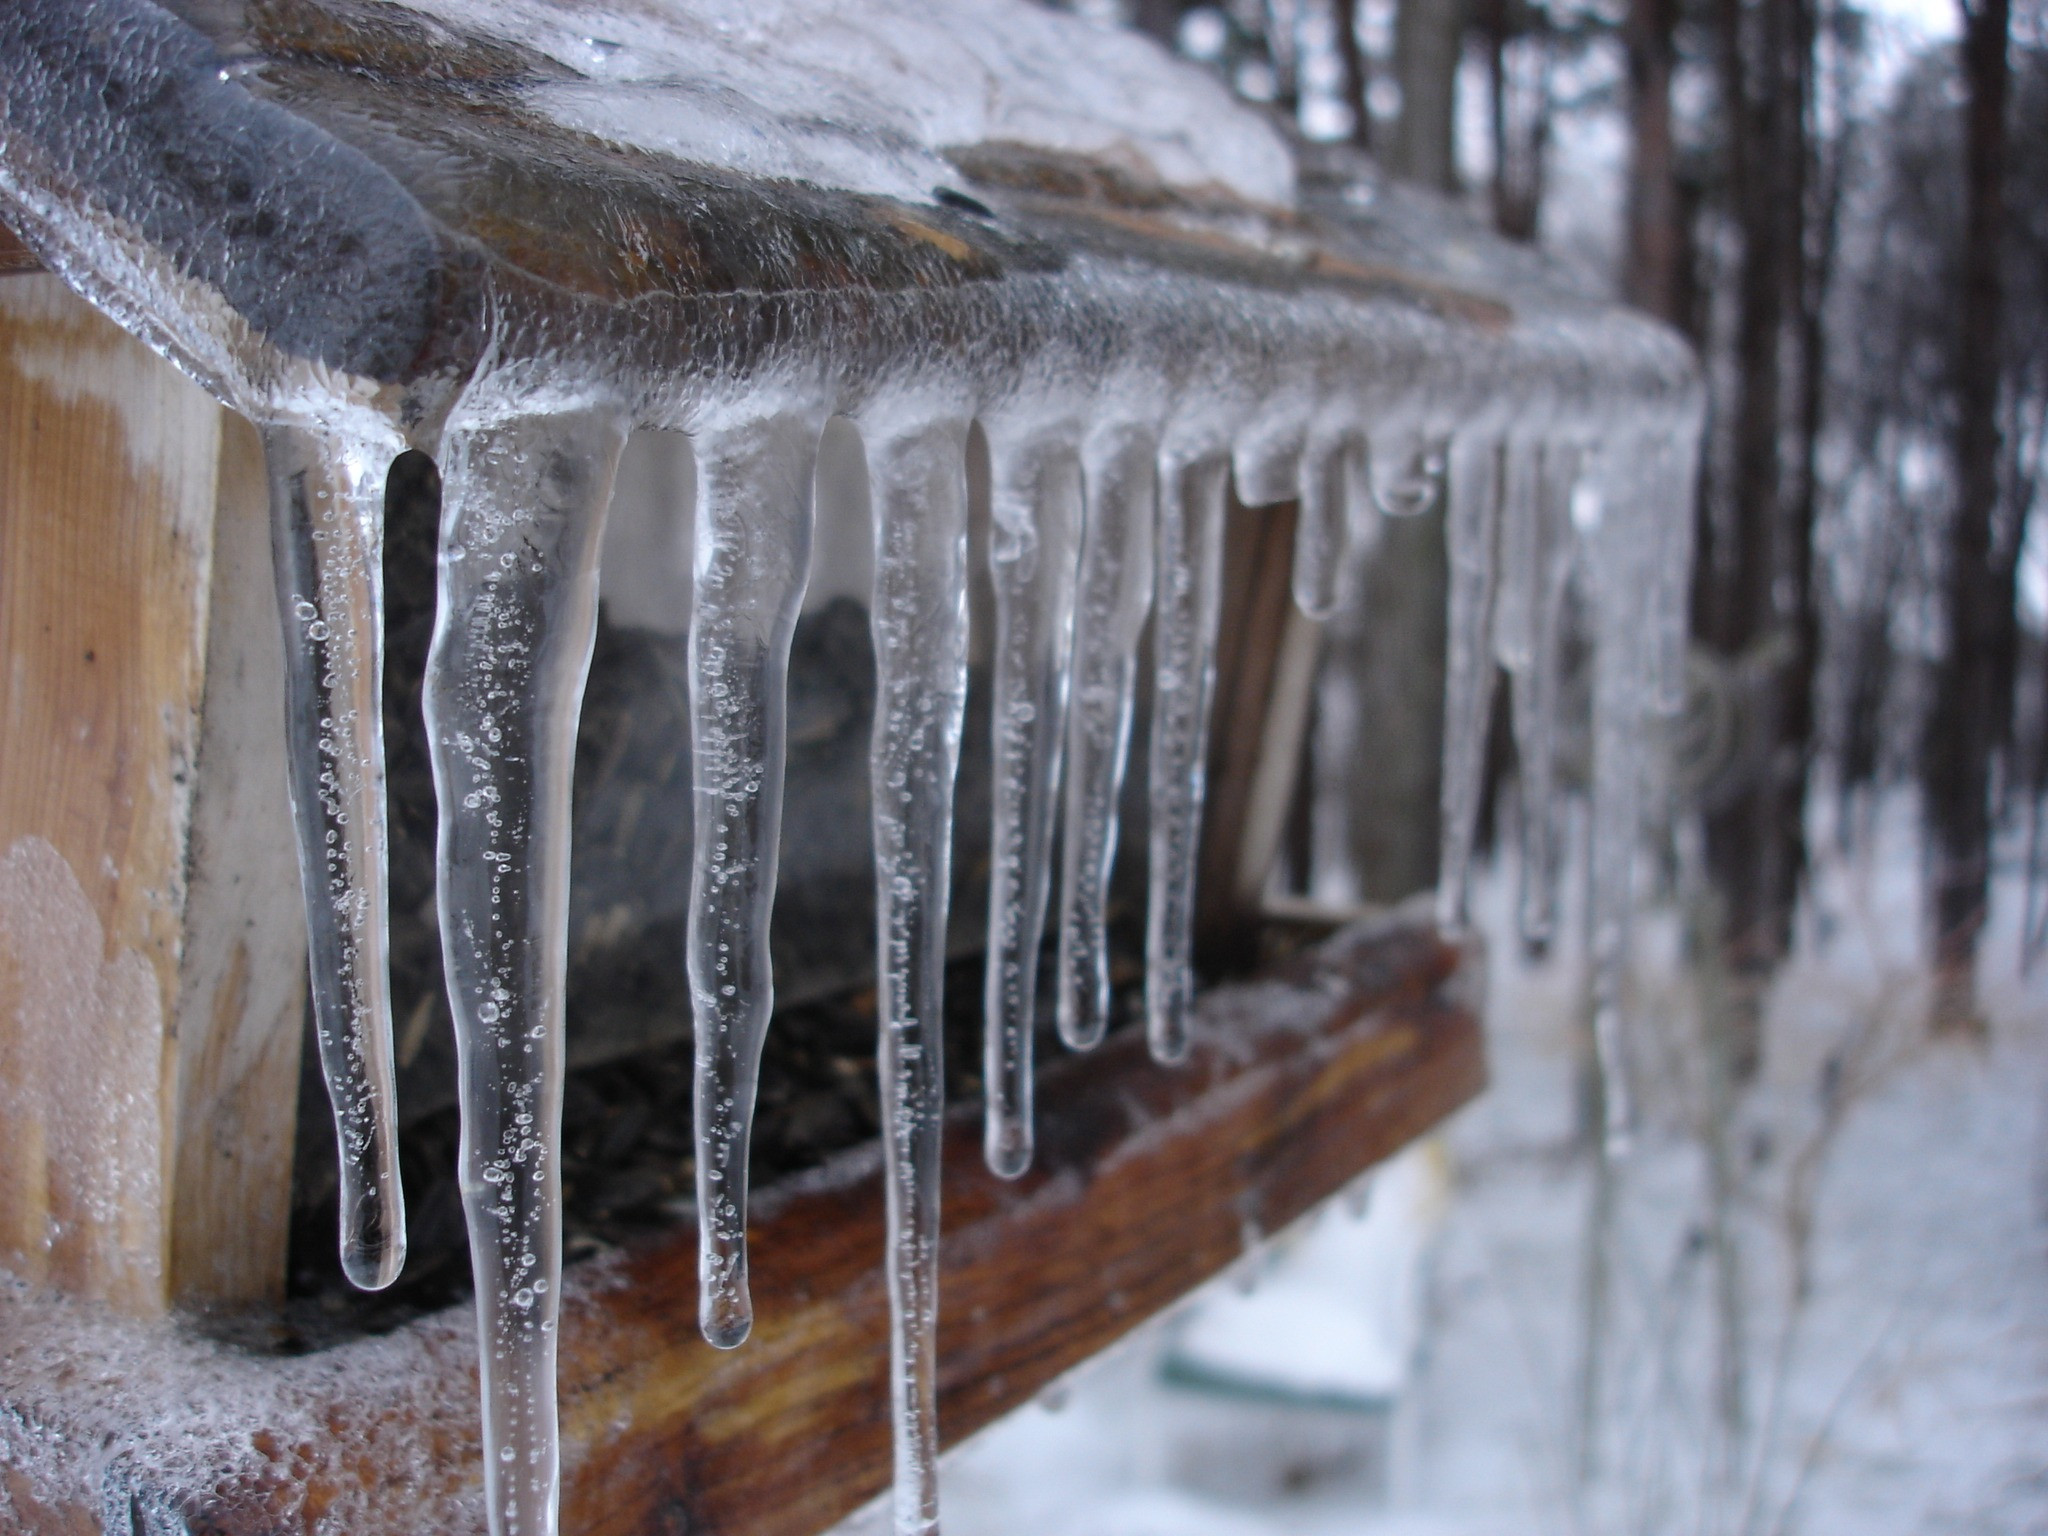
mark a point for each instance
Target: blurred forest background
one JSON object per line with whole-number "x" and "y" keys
{"x": 1811, "y": 1299}
{"x": 1846, "y": 210}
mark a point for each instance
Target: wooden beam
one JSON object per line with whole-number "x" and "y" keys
{"x": 1148, "y": 1182}
{"x": 120, "y": 1021}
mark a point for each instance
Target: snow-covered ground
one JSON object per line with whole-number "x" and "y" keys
{"x": 1906, "y": 1392}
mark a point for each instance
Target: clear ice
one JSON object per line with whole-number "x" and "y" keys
{"x": 1114, "y": 599}
{"x": 753, "y": 556}
{"x": 1188, "y": 586}
{"x": 1120, "y": 386}
{"x": 327, "y": 540}
{"x": 918, "y": 487}
{"x": 522, "y": 521}
{"x": 1472, "y": 510}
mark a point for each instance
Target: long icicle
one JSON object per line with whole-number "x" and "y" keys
{"x": 1035, "y": 507}
{"x": 1621, "y": 687}
{"x": 918, "y": 484}
{"x": 753, "y": 558}
{"x": 1322, "y": 529}
{"x": 1472, "y": 522}
{"x": 1189, "y": 587}
{"x": 521, "y": 524}
{"x": 327, "y": 540}
{"x": 1538, "y": 692}
{"x": 1114, "y": 595}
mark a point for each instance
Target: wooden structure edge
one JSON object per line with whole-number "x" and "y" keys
{"x": 1148, "y": 1181}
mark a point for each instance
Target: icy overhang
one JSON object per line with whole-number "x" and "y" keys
{"x": 377, "y": 190}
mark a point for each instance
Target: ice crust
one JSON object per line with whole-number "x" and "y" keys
{"x": 509, "y": 233}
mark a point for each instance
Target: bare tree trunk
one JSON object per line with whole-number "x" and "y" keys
{"x": 1428, "y": 38}
{"x": 1520, "y": 112}
{"x": 1756, "y": 575}
{"x": 1659, "y": 252}
{"x": 1973, "y": 688}
{"x": 1357, "y": 72}
{"x": 1160, "y": 18}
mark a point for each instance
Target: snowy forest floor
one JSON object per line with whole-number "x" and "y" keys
{"x": 1905, "y": 1392}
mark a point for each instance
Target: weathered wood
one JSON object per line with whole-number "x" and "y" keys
{"x": 110, "y": 481}
{"x": 242, "y": 980}
{"x": 1148, "y": 1181}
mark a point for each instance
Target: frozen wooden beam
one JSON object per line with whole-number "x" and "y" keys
{"x": 149, "y": 951}
{"x": 1148, "y": 1182}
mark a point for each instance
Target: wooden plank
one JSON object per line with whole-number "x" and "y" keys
{"x": 1148, "y": 1182}
{"x": 149, "y": 947}
{"x": 107, "y": 480}
{"x": 242, "y": 976}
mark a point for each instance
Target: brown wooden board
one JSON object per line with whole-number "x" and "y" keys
{"x": 1148, "y": 1182}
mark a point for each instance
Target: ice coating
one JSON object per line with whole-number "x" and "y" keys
{"x": 1322, "y": 529}
{"x": 1472, "y": 513}
{"x": 1618, "y": 553}
{"x": 1176, "y": 311}
{"x": 870, "y": 96}
{"x": 753, "y": 555}
{"x": 1114, "y": 597}
{"x": 918, "y": 487}
{"x": 1188, "y": 585}
{"x": 1034, "y": 541}
{"x": 522, "y": 521}
{"x": 1538, "y": 555}
{"x": 327, "y": 536}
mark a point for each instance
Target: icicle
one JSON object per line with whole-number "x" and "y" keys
{"x": 1114, "y": 596}
{"x": 522, "y": 519}
{"x": 1189, "y": 587}
{"x": 1472, "y": 520}
{"x": 1621, "y": 542}
{"x": 753, "y": 556}
{"x": 1035, "y": 513}
{"x": 918, "y": 484}
{"x": 327, "y": 531}
{"x": 1322, "y": 532}
{"x": 1404, "y": 473}
{"x": 1675, "y": 486}
{"x": 1364, "y": 518}
{"x": 1537, "y": 667}
{"x": 1265, "y": 465}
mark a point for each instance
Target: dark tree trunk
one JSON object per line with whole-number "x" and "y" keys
{"x": 1357, "y": 72}
{"x": 1972, "y": 694}
{"x": 1520, "y": 119}
{"x": 1659, "y": 253}
{"x": 1161, "y": 18}
{"x": 1756, "y": 571}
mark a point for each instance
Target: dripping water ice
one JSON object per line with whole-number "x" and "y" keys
{"x": 522, "y": 521}
{"x": 753, "y": 546}
{"x": 327, "y": 515}
{"x": 1472, "y": 512}
{"x": 1035, "y": 512}
{"x": 918, "y": 488}
{"x": 1114, "y": 598}
{"x": 1188, "y": 585}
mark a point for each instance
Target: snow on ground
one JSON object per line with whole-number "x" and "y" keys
{"x": 1906, "y": 1394}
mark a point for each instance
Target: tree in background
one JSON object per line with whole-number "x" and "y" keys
{"x": 1973, "y": 692}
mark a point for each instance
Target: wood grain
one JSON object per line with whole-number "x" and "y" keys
{"x": 1149, "y": 1181}
{"x": 107, "y": 475}
{"x": 125, "y": 1016}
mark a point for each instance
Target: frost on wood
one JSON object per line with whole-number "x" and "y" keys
{"x": 508, "y": 234}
